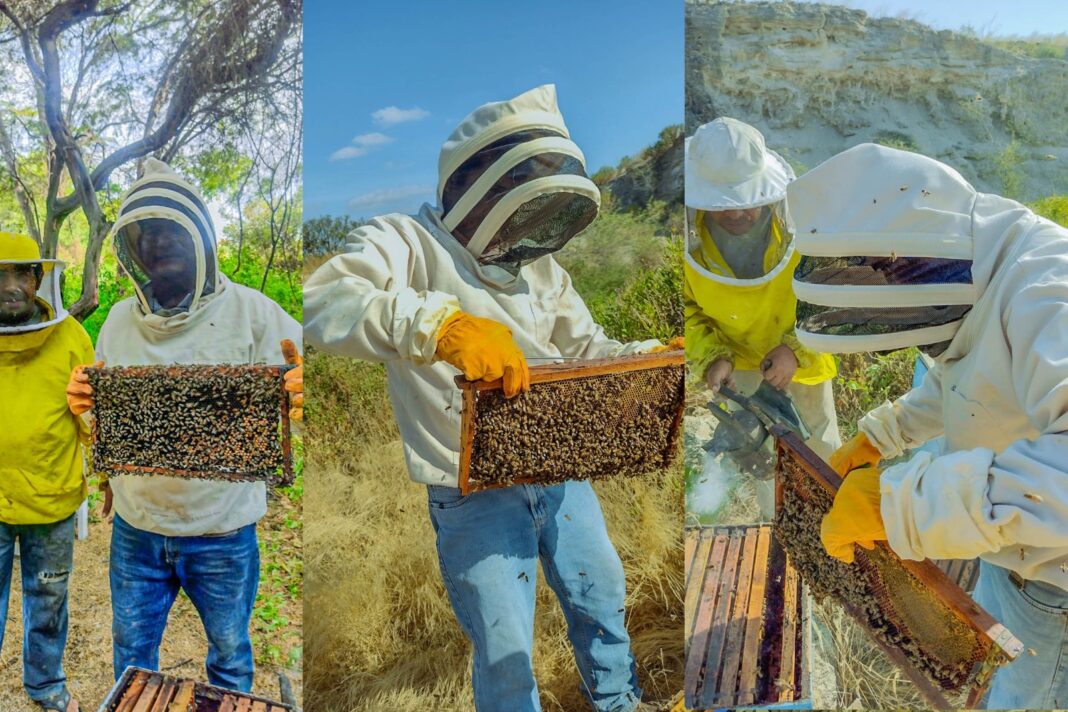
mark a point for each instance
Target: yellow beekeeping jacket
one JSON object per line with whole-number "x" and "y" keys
{"x": 744, "y": 319}
{"x": 42, "y": 479}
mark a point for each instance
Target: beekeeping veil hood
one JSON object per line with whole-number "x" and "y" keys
{"x": 512, "y": 185}
{"x": 22, "y": 250}
{"x": 729, "y": 167}
{"x": 161, "y": 194}
{"x": 897, "y": 249}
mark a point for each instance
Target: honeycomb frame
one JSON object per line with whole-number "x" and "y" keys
{"x": 897, "y": 602}
{"x": 514, "y": 438}
{"x": 236, "y": 422}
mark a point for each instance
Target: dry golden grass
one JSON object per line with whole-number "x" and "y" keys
{"x": 380, "y": 633}
{"x": 865, "y": 677}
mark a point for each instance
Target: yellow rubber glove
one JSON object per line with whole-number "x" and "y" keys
{"x": 854, "y": 517}
{"x": 858, "y": 452}
{"x": 79, "y": 392}
{"x": 677, "y": 342}
{"x": 294, "y": 379}
{"x": 484, "y": 350}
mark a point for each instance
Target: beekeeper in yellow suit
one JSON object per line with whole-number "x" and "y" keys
{"x": 739, "y": 269}
{"x": 42, "y": 481}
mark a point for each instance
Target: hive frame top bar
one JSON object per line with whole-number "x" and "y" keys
{"x": 173, "y": 368}
{"x": 131, "y": 671}
{"x": 585, "y": 368}
{"x": 959, "y": 602}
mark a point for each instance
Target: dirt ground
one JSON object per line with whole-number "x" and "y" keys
{"x": 88, "y": 656}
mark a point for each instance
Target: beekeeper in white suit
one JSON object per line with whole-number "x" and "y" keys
{"x": 470, "y": 287}
{"x": 174, "y": 533}
{"x": 901, "y": 251}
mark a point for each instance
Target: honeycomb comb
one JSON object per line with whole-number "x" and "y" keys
{"x": 940, "y": 638}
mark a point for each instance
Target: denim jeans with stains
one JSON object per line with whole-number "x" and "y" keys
{"x": 1037, "y": 614}
{"x": 489, "y": 544}
{"x": 46, "y": 556}
{"x": 220, "y": 574}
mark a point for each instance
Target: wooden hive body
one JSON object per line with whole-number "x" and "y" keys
{"x": 744, "y": 638}
{"x": 140, "y": 690}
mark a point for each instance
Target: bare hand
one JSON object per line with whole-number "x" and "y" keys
{"x": 779, "y": 366}
{"x": 105, "y": 487}
{"x": 719, "y": 374}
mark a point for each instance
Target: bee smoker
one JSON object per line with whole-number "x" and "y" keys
{"x": 743, "y": 433}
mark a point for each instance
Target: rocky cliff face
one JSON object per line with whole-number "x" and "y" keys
{"x": 817, "y": 79}
{"x": 655, "y": 175}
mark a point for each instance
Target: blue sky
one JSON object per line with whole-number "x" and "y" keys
{"x": 386, "y": 82}
{"x": 997, "y": 17}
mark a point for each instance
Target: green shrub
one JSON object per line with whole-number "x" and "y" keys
{"x": 896, "y": 139}
{"x": 1007, "y": 165}
{"x": 1054, "y": 207}
{"x": 629, "y": 278}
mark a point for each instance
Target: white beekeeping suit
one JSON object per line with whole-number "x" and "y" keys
{"x": 219, "y": 322}
{"x": 902, "y": 251}
{"x": 512, "y": 189}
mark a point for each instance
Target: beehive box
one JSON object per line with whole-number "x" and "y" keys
{"x": 744, "y": 630}
{"x": 580, "y": 420}
{"x": 210, "y": 422}
{"x": 140, "y": 690}
{"x": 941, "y": 639}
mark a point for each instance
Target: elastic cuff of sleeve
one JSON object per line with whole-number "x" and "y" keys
{"x": 418, "y": 318}
{"x": 805, "y": 358}
{"x": 699, "y": 367}
{"x": 880, "y": 425}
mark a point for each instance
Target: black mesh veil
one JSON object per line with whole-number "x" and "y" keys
{"x": 544, "y": 222}
{"x": 839, "y": 312}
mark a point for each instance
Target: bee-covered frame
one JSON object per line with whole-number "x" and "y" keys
{"x": 276, "y": 372}
{"x": 568, "y": 370}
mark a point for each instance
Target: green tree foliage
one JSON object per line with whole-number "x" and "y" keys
{"x": 327, "y": 234}
{"x": 93, "y": 87}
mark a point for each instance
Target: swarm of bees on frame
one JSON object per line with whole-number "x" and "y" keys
{"x": 618, "y": 424}
{"x": 895, "y": 606}
{"x": 209, "y": 422}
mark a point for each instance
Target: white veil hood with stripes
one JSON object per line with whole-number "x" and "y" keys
{"x": 161, "y": 193}
{"x": 512, "y": 186}
{"x": 896, "y": 249}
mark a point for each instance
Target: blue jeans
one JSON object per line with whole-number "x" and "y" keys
{"x": 220, "y": 575}
{"x": 489, "y": 544}
{"x": 46, "y": 554}
{"x": 1038, "y": 616}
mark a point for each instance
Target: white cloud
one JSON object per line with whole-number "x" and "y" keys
{"x": 361, "y": 145}
{"x": 348, "y": 152}
{"x": 373, "y": 139}
{"x": 392, "y": 115}
{"x": 390, "y": 195}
